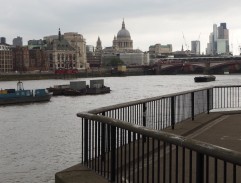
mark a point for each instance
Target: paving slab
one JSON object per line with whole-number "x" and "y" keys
{"x": 78, "y": 174}
{"x": 218, "y": 128}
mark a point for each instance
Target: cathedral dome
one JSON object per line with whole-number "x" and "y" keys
{"x": 123, "y": 33}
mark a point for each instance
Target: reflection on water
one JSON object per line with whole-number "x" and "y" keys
{"x": 37, "y": 140}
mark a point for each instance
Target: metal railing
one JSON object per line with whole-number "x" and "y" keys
{"x": 117, "y": 144}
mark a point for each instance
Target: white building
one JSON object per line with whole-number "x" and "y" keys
{"x": 137, "y": 58}
{"x": 123, "y": 40}
{"x": 221, "y": 46}
{"x": 6, "y": 58}
{"x": 123, "y": 48}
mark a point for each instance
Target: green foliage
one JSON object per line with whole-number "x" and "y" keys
{"x": 113, "y": 62}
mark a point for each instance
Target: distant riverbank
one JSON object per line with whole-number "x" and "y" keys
{"x": 82, "y": 74}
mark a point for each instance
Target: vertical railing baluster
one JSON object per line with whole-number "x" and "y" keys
{"x": 90, "y": 140}
{"x": 153, "y": 160}
{"x": 176, "y": 164}
{"x": 83, "y": 141}
{"x": 170, "y": 163}
{"x": 144, "y": 114}
{"x": 238, "y": 98}
{"x": 95, "y": 156}
{"x": 125, "y": 169}
{"x": 192, "y": 105}
{"x": 234, "y": 174}
{"x": 142, "y": 161}
{"x": 224, "y": 172}
{"x": 207, "y": 169}
{"x": 113, "y": 154}
{"x": 133, "y": 156}
{"x": 103, "y": 142}
{"x": 147, "y": 159}
{"x": 172, "y": 112}
{"x": 183, "y": 165}
{"x": 86, "y": 141}
{"x": 121, "y": 154}
{"x": 117, "y": 153}
{"x": 99, "y": 153}
{"x": 190, "y": 166}
{"x": 215, "y": 170}
{"x": 158, "y": 161}
{"x": 138, "y": 157}
{"x": 208, "y": 101}
{"x": 129, "y": 155}
{"x": 109, "y": 149}
{"x": 199, "y": 168}
{"x": 164, "y": 162}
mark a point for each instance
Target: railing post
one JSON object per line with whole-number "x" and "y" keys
{"x": 173, "y": 112}
{"x": 144, "y": 114}
{"x": 103, "y": 139}
{"x": 113, "y": 148}
{"x": 208, "y": 102}
{"x": 200, "y": 168}
{"x": 144, "y": 119}
{"x": 192, "y": 104}
{"x": 86, "y": 130}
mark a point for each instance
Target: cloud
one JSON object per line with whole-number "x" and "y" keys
{"x": 148, "y": 21}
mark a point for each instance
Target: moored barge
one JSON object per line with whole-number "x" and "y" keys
{"x": 12, "y": 96}
{"x": 207, "y": 78}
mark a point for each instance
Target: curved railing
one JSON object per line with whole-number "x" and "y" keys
{"x": 117, "y": 144}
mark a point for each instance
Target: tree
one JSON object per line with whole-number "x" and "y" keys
{"x": 113, "y": 62}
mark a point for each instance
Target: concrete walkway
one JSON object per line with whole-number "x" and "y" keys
{"x": 218, "y": 128}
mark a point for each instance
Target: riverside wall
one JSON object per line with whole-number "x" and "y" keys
{"x": 82, "y": 74}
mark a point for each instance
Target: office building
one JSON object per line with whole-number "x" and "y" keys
{"x": 2, "y": 40}
{"x": 6, "y": 58}
{"x": 18, "y": 41}
{"x": 218, "y": 41}
{"x": 195, "y": 47}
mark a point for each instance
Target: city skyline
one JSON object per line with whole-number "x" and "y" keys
{"x": 149, "y": 22}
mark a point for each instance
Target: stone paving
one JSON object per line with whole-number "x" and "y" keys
{"x": 218, "y": 128}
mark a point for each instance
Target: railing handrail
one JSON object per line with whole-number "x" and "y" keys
{"x": 131, "y": 103}
{"x": 225, "y": 154}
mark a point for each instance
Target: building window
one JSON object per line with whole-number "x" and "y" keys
{"x": 50, "y": 56}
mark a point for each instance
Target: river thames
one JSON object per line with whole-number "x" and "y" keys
{"x": 39, "y": 139}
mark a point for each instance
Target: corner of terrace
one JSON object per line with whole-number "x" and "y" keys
{"x": 181, "y": 137}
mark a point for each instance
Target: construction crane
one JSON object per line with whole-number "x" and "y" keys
{"x": 187, "y": 48}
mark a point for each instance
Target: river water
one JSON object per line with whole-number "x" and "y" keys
{"x": 37, "y": 140}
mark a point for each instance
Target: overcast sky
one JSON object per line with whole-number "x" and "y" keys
{"x": 148, "y": 21}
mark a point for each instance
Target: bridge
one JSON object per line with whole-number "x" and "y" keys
{"x": 129, "y": 142}
{"x": 217, "y": 65}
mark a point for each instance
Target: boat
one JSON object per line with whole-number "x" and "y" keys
{"x": 101, "y": 90}
{"x": 80, "y": 88}
{"x": 207, "y": 78}
{"x": 72, "y": 92}
{"x": 13, "y": 96}
{"x": 97, "y": 87}
{"x": 58, "y": 89}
